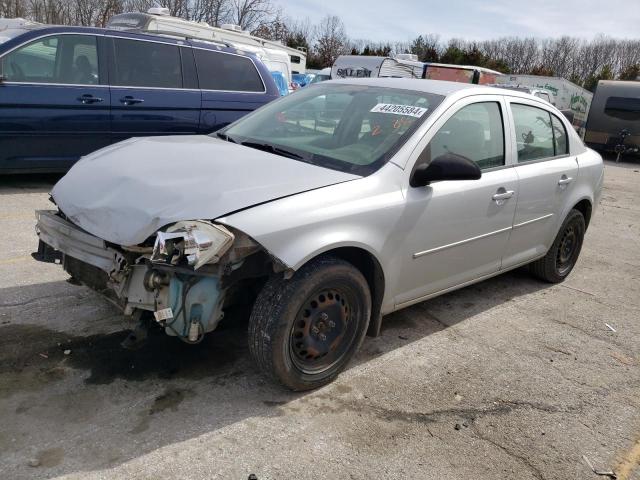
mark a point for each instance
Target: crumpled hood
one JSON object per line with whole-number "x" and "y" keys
{"x": 124, "y": 193}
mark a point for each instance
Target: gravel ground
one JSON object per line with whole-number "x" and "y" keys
{"x": 510, "y": 378}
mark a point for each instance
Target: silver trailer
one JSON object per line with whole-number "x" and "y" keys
{"x": 614, "y": 118}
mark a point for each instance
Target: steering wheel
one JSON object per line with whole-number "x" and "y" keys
{"x": 17, "y": 71}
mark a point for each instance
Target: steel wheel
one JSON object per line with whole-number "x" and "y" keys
{"x": 566, "y": 255}
{"x": 556, "y": 265}
{"x": 303, "y": 331}
{"x": 323, "y": 331}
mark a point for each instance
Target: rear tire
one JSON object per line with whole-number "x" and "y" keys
{"x": 304, "y": 331}
{"x": 557, "y": 264}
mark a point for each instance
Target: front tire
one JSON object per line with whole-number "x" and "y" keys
{"x": 304, "y": 331}
{"x": 557, "y": 264}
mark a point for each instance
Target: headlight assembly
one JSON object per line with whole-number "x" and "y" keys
{"x": 197, "y": 241}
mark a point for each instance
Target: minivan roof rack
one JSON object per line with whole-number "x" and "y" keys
{"x": 169, "y": 33}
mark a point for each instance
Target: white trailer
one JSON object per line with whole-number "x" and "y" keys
{"x": 565, "y": 95}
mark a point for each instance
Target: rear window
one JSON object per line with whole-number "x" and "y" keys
{"x": 223, "y": 71}
{"x": 624, "y": 108}
{"x": 146, "y": 64}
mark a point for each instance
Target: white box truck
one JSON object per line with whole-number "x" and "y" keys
{"x": 568, "y": 97}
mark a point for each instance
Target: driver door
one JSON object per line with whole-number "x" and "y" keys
{"x": 458, "y": 230}
{"x": 54, "y": 103}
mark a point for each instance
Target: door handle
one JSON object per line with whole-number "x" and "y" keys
{"x": 503, "y": 195}
{"x": 88, "y": 99}
{"x": 565, "y": 180}
{"x": 129, "y": 100}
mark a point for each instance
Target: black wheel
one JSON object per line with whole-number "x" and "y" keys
{"x": 556, "y": 265}
{"x": 304, "y": 331}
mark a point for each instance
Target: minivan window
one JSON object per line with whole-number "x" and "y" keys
{"x": 65, "y": 59}
{"x": 623, "y": 108}
{"x": 146, "y": 64}
{"x": 534, "y": 135}
{"x": 475, "y": 132}
{"x": 222, "y": 71}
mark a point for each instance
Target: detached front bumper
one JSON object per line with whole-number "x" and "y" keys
{"x": 65, "y": 237}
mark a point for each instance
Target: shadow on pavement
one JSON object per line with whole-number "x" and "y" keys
{"x": 73, "y": 393}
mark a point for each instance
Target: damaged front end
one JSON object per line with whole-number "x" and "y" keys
{"x": 187, "y": 274}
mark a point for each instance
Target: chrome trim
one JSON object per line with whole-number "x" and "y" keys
{"x": 183, "y": 43}
{"x": 8, "y": 82}
{"x": 461, "y": 242}
{"x": 522, "y": 224}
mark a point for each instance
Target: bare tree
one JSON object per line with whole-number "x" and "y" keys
{"x": 332, "y": 40}
{"x": 251, "y": 14}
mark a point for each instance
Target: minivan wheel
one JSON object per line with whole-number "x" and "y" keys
{"x": 556, "y": 265}
{"x": 304, "y": 331}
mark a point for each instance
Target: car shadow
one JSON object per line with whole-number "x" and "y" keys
{"x": 28, "y": 183}
{"x": 68, "y": 392}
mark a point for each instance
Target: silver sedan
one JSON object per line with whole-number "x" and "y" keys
{"x": 325, "y": 210}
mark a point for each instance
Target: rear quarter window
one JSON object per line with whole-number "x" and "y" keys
{"x": 223, "y": 71}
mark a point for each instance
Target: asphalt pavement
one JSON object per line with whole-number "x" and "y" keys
{"x": 508, "y": 379}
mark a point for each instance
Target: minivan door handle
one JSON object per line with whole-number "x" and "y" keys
{"x": 564, "y": 180}
{"x": 129, "y": 100}
{"x": 88, "y": 99}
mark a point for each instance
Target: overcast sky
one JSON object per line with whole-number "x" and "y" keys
{"x": 474, "y": 19}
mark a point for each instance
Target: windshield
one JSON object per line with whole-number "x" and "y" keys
{"x": 351, "y": 128}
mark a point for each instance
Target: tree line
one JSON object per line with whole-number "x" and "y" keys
{"x": 583, "y": 62}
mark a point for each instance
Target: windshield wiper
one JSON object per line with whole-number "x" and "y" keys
{"x": 267, "y": 147}
{"x": 225, "y": 137}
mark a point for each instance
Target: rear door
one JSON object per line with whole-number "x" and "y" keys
{"x": 150, "y": 95}
{"x": 546, "y": 176}
{"x": 54, "y": 103}
{"x": 231, "y": 87}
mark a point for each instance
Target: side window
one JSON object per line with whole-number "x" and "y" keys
{"x": 534, "y": 135}
{"x": 67, "y": 59}
{"x": 560, "y": 138}
{"x": 221, "y": 71}
{"x": 146, "y": 64}
{"x": 475, "y": 132}
{"x": 623, "y": 108}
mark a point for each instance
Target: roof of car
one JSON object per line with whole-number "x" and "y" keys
{"x": 438, "y": 87}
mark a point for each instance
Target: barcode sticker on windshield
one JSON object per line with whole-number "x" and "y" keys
{"x": 408, "y": 110}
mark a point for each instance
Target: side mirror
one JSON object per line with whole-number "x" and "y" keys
{"x": 445, "y": 167}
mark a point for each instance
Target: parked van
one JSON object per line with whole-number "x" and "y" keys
{"x": 615, "y": 108}
{"x": 67, "y": 91}
{"x": 275, "y": 55}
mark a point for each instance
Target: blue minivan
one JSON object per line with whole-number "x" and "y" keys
{"x": 67, "y": 91}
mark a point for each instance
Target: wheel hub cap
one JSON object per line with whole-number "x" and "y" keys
{"x": 320, "y": 329}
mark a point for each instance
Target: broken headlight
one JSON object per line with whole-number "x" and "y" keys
{"x": 197, "y": 242}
